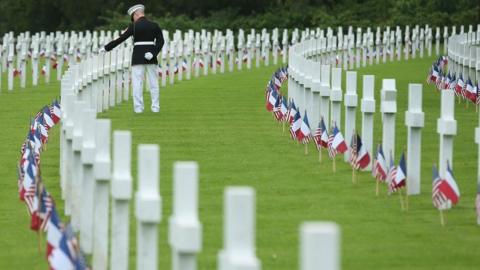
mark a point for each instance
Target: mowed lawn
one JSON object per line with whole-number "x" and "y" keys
{"x": 220, "y": 122}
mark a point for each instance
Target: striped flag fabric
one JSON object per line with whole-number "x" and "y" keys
{"x": 433, "y": 75}
{"x": 336, "y": 142}
{"x": 361, "y": 157}
{"x": 54, "y": 232}
{"x": 459, "y": 86}
{"x": 295, "y": 126}
{"x": 448, "y": 81}
{"x": 449, "y": 177}
{"x": 445, "y": 192}
{"x": 56, "y": 112}
{"x": 353, "y": 150}
{"x": 45, "y": 208}
{"x": 284, "y": 109}
{"x": 400, "y": 178}
{"x": 477, "y": 88}
{"x": 304, "y": 135}
{"x": 470, "y": 91}
{"x": 292, "y": 111}
{"x": 380, "y": 166}
{"x": 453, "y": 83}
{"x": 392, "y": 172}
{"x": 321, "y": 135}
{"x": 277, "y": 109}
{"x": 67, "y": 255}
{"x": 47, "y": 117}
{"x": 272, "y": 96}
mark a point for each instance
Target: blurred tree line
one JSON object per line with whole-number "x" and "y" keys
{"x": 37, "y": 15}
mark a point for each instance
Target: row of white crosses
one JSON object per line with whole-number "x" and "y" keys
{"x": 353, "y": 50}
{"x": 204, "y": 52}
{"x": 187, "y": 50}
{"x": 55, "y": 47}
{"x": 463, "y": 57}
{"x": 89, "y": 174}
{"x": 184, "y": 51}
{"x": 464, "y": 54}
{"x": 316, "y": 87}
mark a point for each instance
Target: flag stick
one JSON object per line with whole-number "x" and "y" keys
{"x": 353, "y": 175}
{"x": 442, "y": 220}
{"x": 334, "y": 168}
{"x": 476, "y": 108}
{"x": 306, "y": 149}
{"x": 401, "y": 199}
{"x": 283, "y": 126}
{"x": 320, "y": 155}
{"x": 377, "y": 189}
{"x": 39, "y": 242}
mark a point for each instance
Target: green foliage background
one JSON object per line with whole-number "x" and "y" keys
{"x": 22, "y": 15}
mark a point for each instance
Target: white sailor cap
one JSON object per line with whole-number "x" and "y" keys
{"x": 135, "y": 8}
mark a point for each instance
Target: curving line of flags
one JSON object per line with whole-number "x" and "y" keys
{"x": 445, "y": 191}
{"x": 62, "y": 250}
{"x": 446, "y": 80}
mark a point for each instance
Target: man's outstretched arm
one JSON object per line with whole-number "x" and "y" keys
{"x": 120, "y": 39}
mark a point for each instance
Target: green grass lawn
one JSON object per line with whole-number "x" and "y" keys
{"x": 220, "y": 122}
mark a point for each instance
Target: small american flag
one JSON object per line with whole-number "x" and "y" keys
{"x": 400, "y": 175}
{"x": 380, "y": 165}
{"x": 438, "y": 198}
{"x": 392, "y": 173}
{"x": 317, "y": 137}
{"x": 332, "y": 152}
{"x": 353, "y": 150}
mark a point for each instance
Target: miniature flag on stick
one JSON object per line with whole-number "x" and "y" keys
{"x": 380, "y": 168}
{"x": 445, "y": 192}
{"x": 321, "y": 138}
{"x": 336, "y": 144}
{"x": 295, "y": 126}
{"x": 304, "y": 134}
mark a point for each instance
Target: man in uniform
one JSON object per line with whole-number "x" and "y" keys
{"x": 148, "y": 42}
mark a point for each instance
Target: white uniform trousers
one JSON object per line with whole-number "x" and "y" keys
{"x": 138, "y": 73}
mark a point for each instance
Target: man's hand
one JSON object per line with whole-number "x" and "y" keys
{"x": 148, "y": 56}
{"x": 102, "y": 50}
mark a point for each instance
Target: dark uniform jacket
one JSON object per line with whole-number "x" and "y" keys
{"x": 141, "y": 30}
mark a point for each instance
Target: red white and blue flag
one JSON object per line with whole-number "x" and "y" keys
{"x": 292, "y": 111}
{"x": 272, "y": 96}
{"x": 433, "y": 75}
{"x": 400, "y": 178}
{"x": 283, "y": 109}
{"x": 392, "y": 172}
{"x": 453, "y": 82}
{"x": 445, "y": 192}
{"x": 380, "y": 169}
{"x": 47, "y": 118}
{"x": 459, "y": 86}
{"x": 296, "y": 125}
{"x": 321, "y": 135}
{"x": 470, "y": 91}
{"x": 304, "y": 134}
{"x": 54, "y": 232}
{"x": 55, "y": 112}
{"x": 336, "y": 142}
{"x": 359, "y": 156}
{"x": 277, "y": 109}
